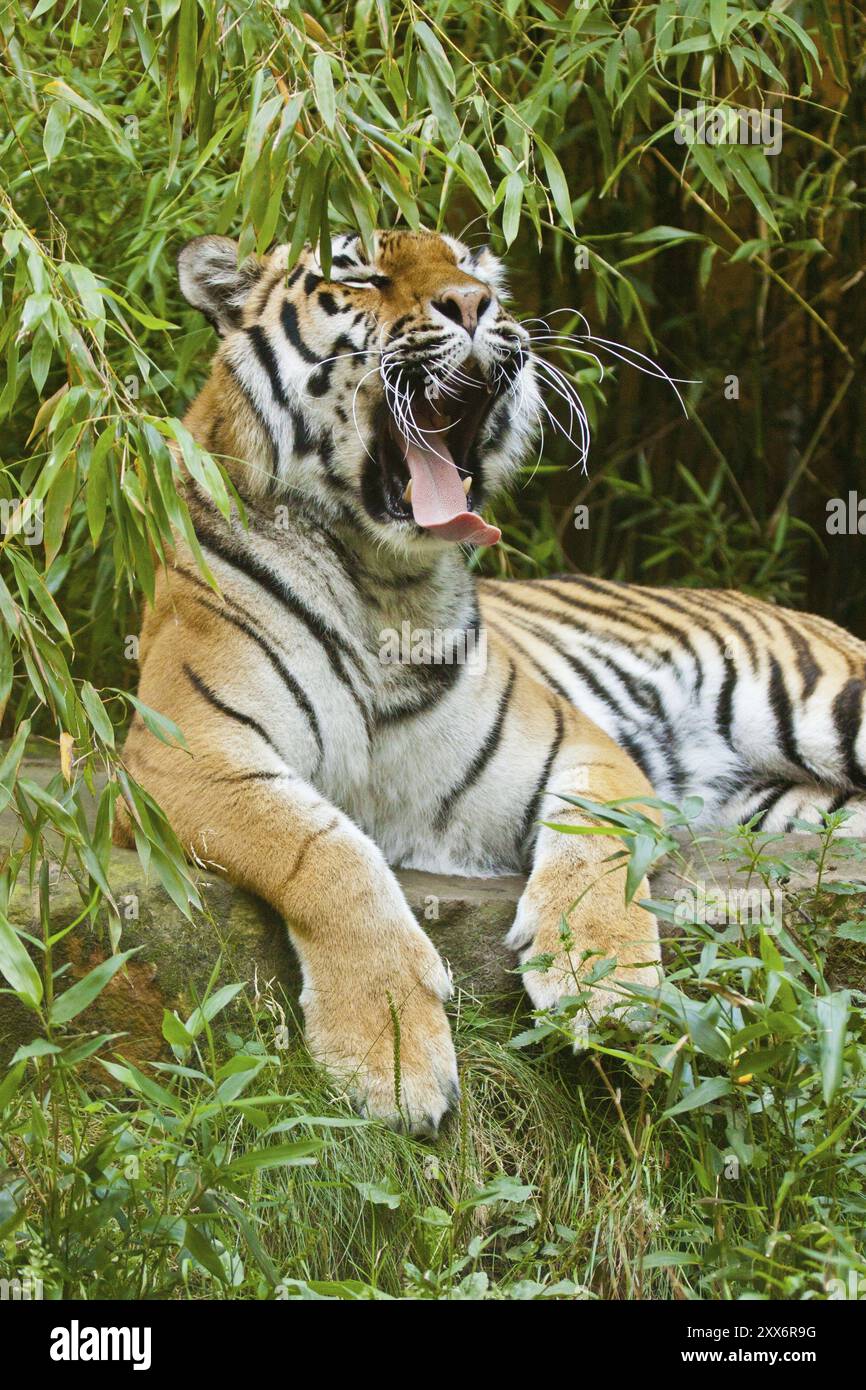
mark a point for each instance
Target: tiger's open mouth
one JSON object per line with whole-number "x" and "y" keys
{"x": 427, "y": 460}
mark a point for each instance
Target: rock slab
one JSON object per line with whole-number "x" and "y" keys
{"x": 466, "y": 918}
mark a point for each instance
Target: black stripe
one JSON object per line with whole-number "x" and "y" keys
{"x": 594, "y": 685}
{"x": 254, "y": 777}
{"x": 837, "y": 803}
{"x": 438, "y": 678}
{"x": 665, "y": 599}
{"x": 333, "y": 641}
{"x": 547, "y": 678}
{"x": 267, "y": 288}
{"x": 319, "y": 382}
{"x": 303, "y": 439}
{"x": 769, "y": 802}
{"x": 646, "y": 651}
{"x": 334, "y": 645}
{"x": 808, "y": 667}
{"x": 780, "y": 703}
{"x": 446, "y": 675}
{"x": 531, "y": 813}
{"x": 485, "y": 753}
{"x": 755, "y": 610}
{"x": 261, "y": 419}
{"x": 650, "y": 626}
{"x": 810, "y": 671}
{"x": 289, "y": 320}
{"x": 267, "y": 359}
{"x": 633, "y": 594}
{"x": 847, "y": 716}
{"x": 335, "y": 548}
{"x": 227, "y": 710}
{"x": 829, "y": 634}
{"x": 295, "y": 690}
{"x": 498, "y": 424}
{"x": 725, "y": 703}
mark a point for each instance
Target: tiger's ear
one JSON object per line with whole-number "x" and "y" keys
{"x": 212, "y": 281}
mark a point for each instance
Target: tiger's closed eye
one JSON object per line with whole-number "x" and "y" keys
{"x": 370, "y": 282}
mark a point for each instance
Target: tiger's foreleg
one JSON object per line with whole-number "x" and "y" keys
{"x": 373, "y": 985}
{"x": 573, "y": 913}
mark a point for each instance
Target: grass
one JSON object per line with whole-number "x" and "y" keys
{"x": 530, "y": 1191}
{"x": 719, "y": 1154}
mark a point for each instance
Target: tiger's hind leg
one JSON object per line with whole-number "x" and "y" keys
{"x": 794, "y": 705}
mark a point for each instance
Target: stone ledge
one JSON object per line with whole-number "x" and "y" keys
{"x": 467, "y": 919}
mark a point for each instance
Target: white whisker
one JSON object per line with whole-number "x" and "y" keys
{"x": 555, "y": 341}
{"x": 372, "y": 372}
{"x": 563, "y": 388}
{"x": 660, "y": 372}
{"x": 621, "y": 351}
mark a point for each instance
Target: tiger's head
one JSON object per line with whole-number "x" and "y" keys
{"x": 397, "y": 393}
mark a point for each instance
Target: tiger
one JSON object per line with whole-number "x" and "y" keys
{"x": 366, "y": 411}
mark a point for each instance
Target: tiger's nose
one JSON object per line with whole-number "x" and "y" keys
{"x": 463, "y": 306}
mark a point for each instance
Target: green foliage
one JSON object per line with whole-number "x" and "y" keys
{"x": 750, "y": 1049}
{"x": 719, "y": 1154}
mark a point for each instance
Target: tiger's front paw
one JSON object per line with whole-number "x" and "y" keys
{"x": 575, "y": 944}
{"x": 381, "y": 1031}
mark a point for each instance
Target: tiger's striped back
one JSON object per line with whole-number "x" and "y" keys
{"x": 755, "y": 708}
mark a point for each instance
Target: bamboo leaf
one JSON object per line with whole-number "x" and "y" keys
{"x": 17, "y": 968}
{"x": 96, "y": 713}
{"x": 74, "y": 1000}
{"x": 300, "y": 1153}
{"x": 832, "y": 1013}
{"x": 323, "y": 83}
{"x": 436, "y": 52}
{"x": 513, "y": 202}
{"x": 187, "y": 43}
{"x": 558, "y": 185}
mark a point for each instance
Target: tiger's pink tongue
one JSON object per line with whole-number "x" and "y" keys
{"x": 438, "y": 499}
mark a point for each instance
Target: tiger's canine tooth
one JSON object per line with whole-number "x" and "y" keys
{"x": 407, "y": 495}
{"x": 467, "y": 483}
